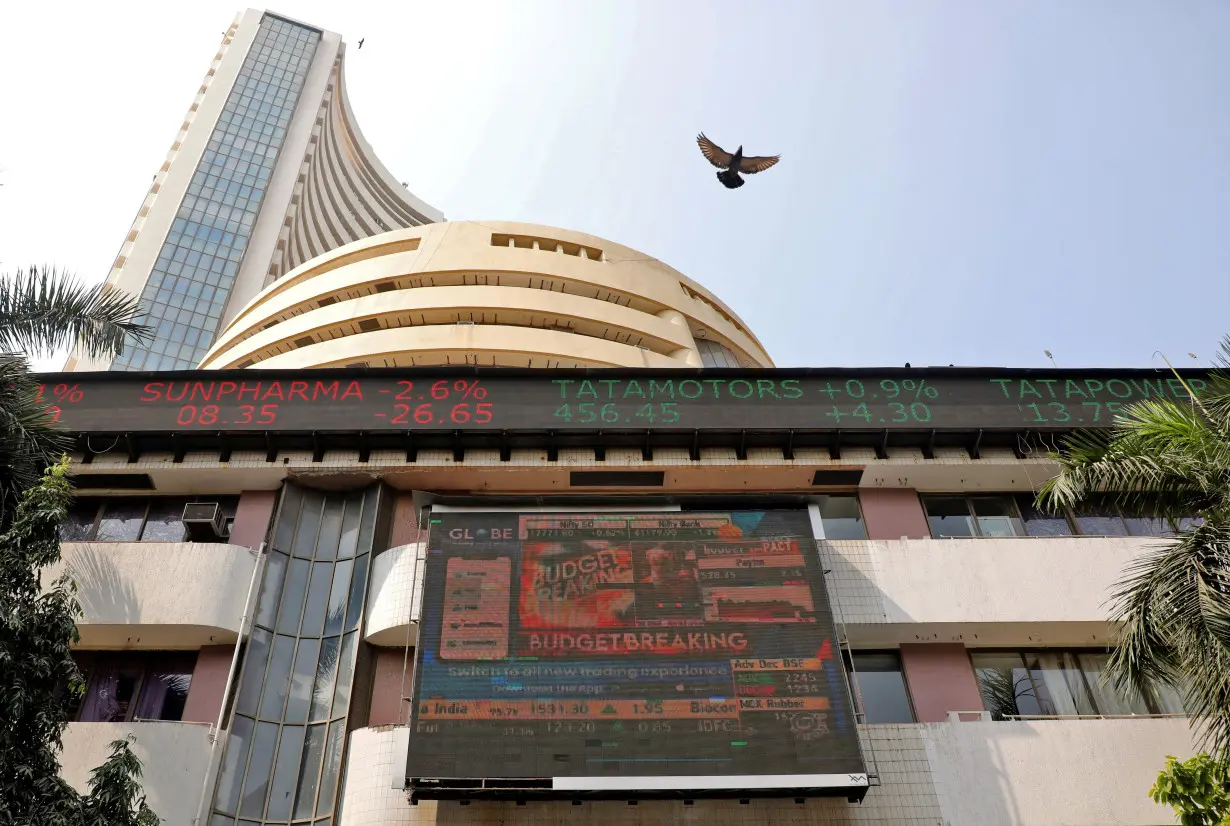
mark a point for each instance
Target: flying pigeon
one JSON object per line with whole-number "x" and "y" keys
{"x": 361, "y": 39}
{"x": 732, "y": 165}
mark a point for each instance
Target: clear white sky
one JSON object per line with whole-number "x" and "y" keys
{"x": 965, "y": 182}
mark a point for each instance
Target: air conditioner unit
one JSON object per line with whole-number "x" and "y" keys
{"x": 205, "y": 522}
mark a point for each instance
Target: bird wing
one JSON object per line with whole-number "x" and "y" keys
{"x": 715, "y": 154}
{"x": 757, "y": 163}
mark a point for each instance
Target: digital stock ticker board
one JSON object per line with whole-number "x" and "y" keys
{"x": 622, "y": 654}
{"x": 566, "y": 400}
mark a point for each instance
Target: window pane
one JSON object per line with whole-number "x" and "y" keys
{"x": 267, "y": 602}
{"x": 80, "y": 522}
{"x": 333, "y": 766}
{"x": 285, "y": 773}
{"x": 292, "y": 596}
{"x": 256, "y": 782}
{"x": 164, "y": 691}
{"x": 841, "y": 517}
{"x": 881, "y": 687}
{"x": 235, "y": 765}
{"x": 121, "y": 520}
{"x": 1141, "y": 526}
{"x": 1005, "y": 685}
{"x": 358, "y": 587}
{"x": 330, "y": 528}
{"x": 165, "y": 520}
{"x": 996, "y": 516}
{"x": 338, "y": 591}
{"x": 112, "y": 689}
{"x": 277, "y": 678}
{"x": 350, "y": 526}
{"x": 1108, "y": 698}
{"x": 948, "y": 516}
{"x": 1058, "y": 676}
{"x": 1094, "y": 521}
{"x": 317, "y": 599}
{"x": 288, "y": 516}
{"x": 1038, "y": 523}
{"x": 301, "y": 681}
{"x": 309, "y": 772}
{"x": 253, "y": 672}
{"x": 345, "y": 672}
{"x": 326, "y": 670}
{"x": 309, "y": 523}
{"x": 1167, "y": 700}
{"x": 367, "y": 524}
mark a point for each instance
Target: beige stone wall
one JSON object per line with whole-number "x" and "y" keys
{"x": 177, "y": 760}
{"x": 485, "y": 293}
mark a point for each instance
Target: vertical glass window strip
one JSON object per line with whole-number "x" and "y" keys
{"x": 300, "y": 665}
{"x": 192, "y": 277}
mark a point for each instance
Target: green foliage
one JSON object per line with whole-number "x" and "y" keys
{"x": 1197, "y": 789}
{"x": 37, "y": 631}
{"x": 1167, "y": 459}
{"x": 41, "y": 311}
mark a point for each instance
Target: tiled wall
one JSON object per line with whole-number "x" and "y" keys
{"x": 1042, "y": 773}
{"x": 373, "y": 796}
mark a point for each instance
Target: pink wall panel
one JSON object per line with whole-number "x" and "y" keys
{"x": 252, "y": 518}
{"x": 941, "y": 679}
{"x": 213, "y": 663}
{"x": 386, "y": 687}
{"x": 891, "y": 513}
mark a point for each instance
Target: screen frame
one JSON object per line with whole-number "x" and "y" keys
{"x": 853, "y": 785}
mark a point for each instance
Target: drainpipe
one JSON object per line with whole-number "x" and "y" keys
{"x": 216, "y": 735}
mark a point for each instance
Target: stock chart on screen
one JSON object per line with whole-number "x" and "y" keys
{"x": 670, "y": 651}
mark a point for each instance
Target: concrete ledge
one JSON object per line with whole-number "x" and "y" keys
{"x": 175, "y": 758}
{"x": 392, "y": 601}
{"x": 157, "y": 594}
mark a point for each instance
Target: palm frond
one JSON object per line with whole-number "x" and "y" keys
{"x": 1173, "y": 605}
{"x": 43, "y": 310}
{"x": 1161, "y": 459}
{"x": 28, "y": 442}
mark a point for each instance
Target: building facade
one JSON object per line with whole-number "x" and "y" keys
{"x": 267, "y": 170}
{"x": 264, "y": 655}
{"x": 251, "y": 539}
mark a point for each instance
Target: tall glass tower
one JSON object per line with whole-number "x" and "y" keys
{"x": 267, "y": 171}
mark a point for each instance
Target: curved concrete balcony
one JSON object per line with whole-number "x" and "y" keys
{"x": 393, "y": 596}
{"x": 157, "y": 594}
{"x": 1041, "y": 591}
{"x": 175, "y": 759}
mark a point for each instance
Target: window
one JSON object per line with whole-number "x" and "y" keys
{"x": 879, "y": 689}
{"x": 1058, "y": 683}
{"x": 985, "y": 516}
{"x": 1040, "y": 523}
{"x": 1092, "y": 520}
{"x": 125, "y": 686}
{"x": 135, "y": 518}
{"x": 713, "y": 354}
{"x": 841, "y": 517}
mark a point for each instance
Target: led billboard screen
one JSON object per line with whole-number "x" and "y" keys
{"x": 689, "y": 652}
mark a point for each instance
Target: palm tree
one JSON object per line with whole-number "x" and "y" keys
{"x": 1169, "y": 460}
{"x": 42, "y": 311}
